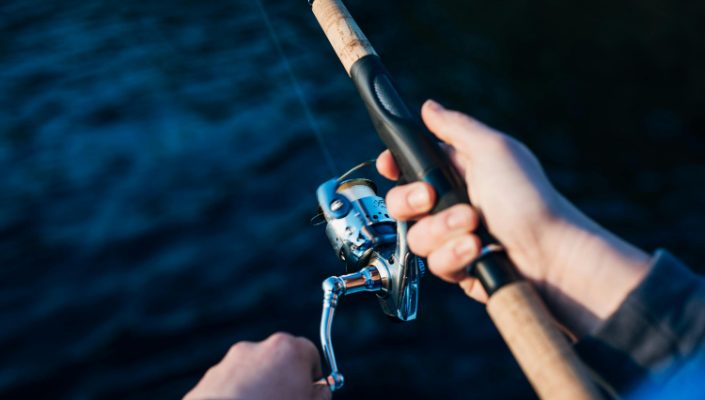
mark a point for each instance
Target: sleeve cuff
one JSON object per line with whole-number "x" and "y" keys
{"x": 660, "y": 322}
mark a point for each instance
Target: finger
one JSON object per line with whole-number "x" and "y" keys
{"x": 432, "y": 232}
{"x": 449, "y": 261}
{"x": 387, "y": 167}
{"x": 280, "y": 339}
{"x": 455, "y": 128}
{"x": 281, "y": 346}
{"x": 474, "y": 289}
{"x": 321, "y": 391}
{"x": 409, "y": 201}
{"x": 310, "y": 356}
{"x": 237, "y": 349}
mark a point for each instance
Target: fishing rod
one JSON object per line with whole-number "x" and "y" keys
{"x": 374, "y": 248}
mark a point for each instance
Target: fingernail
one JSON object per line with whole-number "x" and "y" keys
{"x": 455, "y": 220}
{"x": 418, "y": 198}
{"x": 434, "y": 105}
{"x": 464, "y": 247}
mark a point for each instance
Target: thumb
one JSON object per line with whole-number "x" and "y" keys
{"x": 457, "y": 129}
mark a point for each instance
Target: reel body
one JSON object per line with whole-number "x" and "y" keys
{"x": 373, "y": 247}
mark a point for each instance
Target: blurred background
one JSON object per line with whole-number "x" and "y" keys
{"x": 158, "y": 175}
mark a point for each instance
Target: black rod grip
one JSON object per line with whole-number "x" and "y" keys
{"x": 420, "y": 158}
{"x": 416, "y": 152}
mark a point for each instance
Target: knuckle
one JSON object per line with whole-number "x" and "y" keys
{"x": 281, "y": 339}
{"x": 465, "y": 210}
{"x": 458, "y": 217}
{"x": 417, "y": 239}
{"x": 305, "y": 346}
{"x": 237, "y": 349}
{"x": 436, "y": 261}
{"x": 394, "y": 199}
{"x": 304, "y": 343}
{"x": 469, "y": 215}
{"x": 439, "y": 225}
{"x": 470, "y": 247}
{"x": 449, "y": 261}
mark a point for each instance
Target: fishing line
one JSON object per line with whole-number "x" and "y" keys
{"x": 315, "y": 127}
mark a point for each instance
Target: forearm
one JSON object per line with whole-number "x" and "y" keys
{"x": 596, "y": 273}
{"x": 640, "y": 318}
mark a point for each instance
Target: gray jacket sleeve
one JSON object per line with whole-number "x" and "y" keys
{"x": 654, "y": 341}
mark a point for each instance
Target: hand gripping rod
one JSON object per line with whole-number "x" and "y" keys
{"x": 544, "y": 354}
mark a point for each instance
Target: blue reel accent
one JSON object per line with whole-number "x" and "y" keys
{"x": 327, "y": 194}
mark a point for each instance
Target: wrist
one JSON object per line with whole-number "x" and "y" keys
{"x": 590, "y": 272}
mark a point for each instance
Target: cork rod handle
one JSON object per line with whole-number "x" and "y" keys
{"x": 543, "y": 353}
{"x": 348, "y": 41}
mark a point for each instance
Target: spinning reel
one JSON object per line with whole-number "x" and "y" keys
{"x": 373, "y": 247}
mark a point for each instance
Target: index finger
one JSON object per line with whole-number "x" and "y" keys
{"x": 387, "y": 167}
{"x": 312, "y": 357}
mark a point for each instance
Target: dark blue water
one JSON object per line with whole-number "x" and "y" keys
{"x": 158, "y": 175}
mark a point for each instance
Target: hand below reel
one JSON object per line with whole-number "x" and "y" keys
{"x": 374, "y": 249}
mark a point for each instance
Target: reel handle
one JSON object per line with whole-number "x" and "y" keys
{"x": 368, "y": 279}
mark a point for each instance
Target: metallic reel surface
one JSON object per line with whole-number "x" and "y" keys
{"x": 373, "y": 247}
